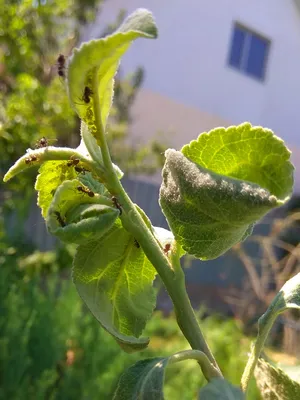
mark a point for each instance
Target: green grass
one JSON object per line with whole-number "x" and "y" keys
{"x": 52, "y": 348}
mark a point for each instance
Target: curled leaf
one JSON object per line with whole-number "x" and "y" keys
{"x": 212, "y": 194}
{"x": 246, "y": 152}
{"x": 35, "y": 158}
{"x": 75, "y": 217}
{"x": 51, "y": 175}
{"x": 208, "y": 213}
{"x": 96, "y": 62}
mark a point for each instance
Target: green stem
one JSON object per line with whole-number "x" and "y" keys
{"x": 133, "y": 222}
{"x": 209, "y": 371}
{"x": 174, "y": 282}
{"x": 256, "y": 350}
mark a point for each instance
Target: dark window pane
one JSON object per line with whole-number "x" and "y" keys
{"x": 256, "y": 58}
{"x": 237, "y": 45}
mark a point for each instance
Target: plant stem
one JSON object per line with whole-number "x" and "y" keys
{"x": 174, "y": 282}
{"x": 209, "y": 371}
{"x": 256, "y": 350}
{"x": 134, "y": 223}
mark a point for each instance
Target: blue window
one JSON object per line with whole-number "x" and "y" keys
{"x": 248, "y": 52}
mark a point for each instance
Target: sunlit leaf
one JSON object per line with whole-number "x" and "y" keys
{"x": 96, "y": 62}
{"x": 51, "y": 175}
{"x": 249, "y": 153}
{"x": 115, "y": 280}
{"x": 209, "y": 212}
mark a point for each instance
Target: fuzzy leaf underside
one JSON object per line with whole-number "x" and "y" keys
{"x": 246, "y": 152}
{"x": 275, "y": 384}
{"x": 115, "y": 280}
{"x": 220, "y": 389}
{"x": 97, "y": 61}
{"x": 216, "y": 189}
{"x": 208, "y": 213}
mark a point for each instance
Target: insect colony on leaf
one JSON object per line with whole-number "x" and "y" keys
{"x": 73, "y": 162}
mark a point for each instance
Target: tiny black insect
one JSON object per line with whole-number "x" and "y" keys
{"x": 59, "y": 219}
{"x": 61, "y": 61}
{"x": 136, "y": 243}
{"x": 81, "y": 170}
{"x": 85, "y": 190}
{"x": 43, "y": 142}
{"x": 86, "y": 94}
{"x": 117, "y": 204}
{"x": 73, "y": 161}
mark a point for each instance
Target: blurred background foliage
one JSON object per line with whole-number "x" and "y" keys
{"x": 52, "y": 348}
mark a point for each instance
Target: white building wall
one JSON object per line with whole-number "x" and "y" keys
{"x": 188, "y": 62}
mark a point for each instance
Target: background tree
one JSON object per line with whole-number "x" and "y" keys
{"x": 33, "y": 98}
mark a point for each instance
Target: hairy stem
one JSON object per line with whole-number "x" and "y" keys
{"x": 135, "y": 224}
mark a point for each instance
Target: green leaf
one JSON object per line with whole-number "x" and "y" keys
{"x": 75, "y": 217}
{"x": 287, "y": 297}
{"x": 249, "y": 153}
{"x": 275, "y": 384}
{"x": 220, "y": 389}
{"x": 209, "y": 212}
{"x": 98, "y": 60}
{"x": 115, "y": 280}
{"x": 51, "y": 175}
{"x": 144, "y": 380}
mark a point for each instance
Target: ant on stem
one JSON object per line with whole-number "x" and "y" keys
{"x": 117, "y": 204}
{"x": 73, "y": 161}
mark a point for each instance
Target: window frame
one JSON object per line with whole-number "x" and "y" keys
{"x": 249, "y": 33}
